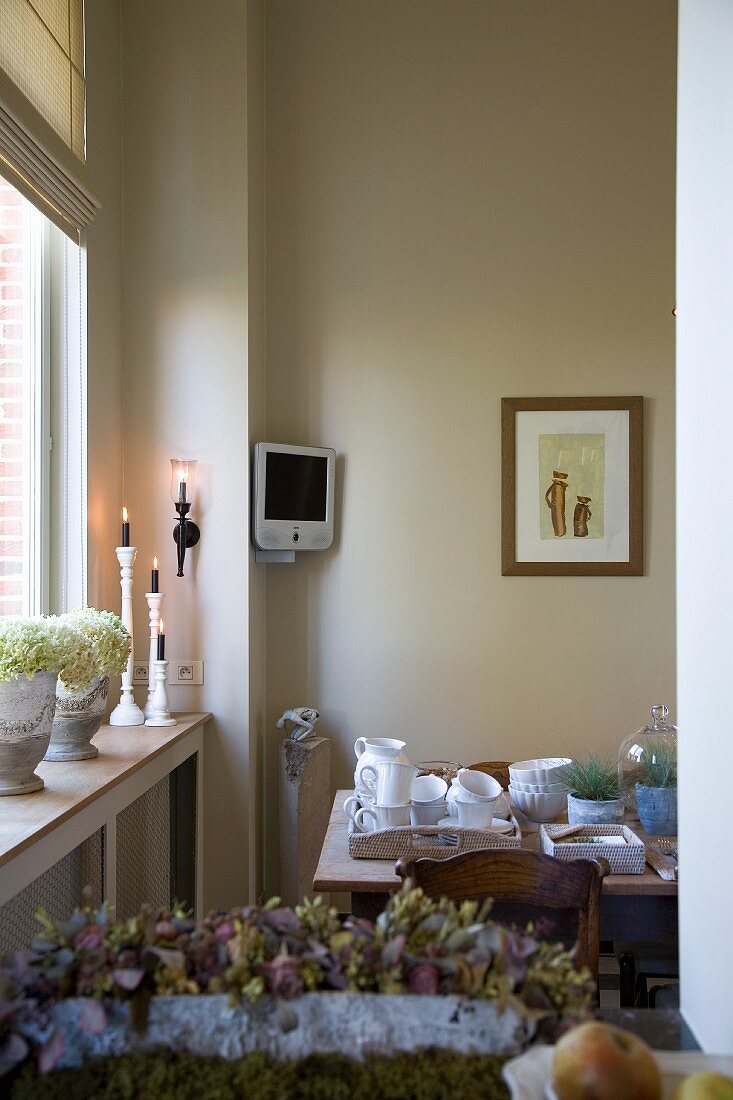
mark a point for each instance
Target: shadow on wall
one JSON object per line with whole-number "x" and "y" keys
{"x": 298, "y": 675}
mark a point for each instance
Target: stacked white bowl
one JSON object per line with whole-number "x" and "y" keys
{"x": 536, "y": 787}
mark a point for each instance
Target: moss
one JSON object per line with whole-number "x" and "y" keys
{"x": 429, "y": 1075}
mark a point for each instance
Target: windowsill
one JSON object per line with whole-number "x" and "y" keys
{"x": 73, "y": 785}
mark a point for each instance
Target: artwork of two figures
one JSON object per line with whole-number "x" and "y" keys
{"x": 572, "y": 474}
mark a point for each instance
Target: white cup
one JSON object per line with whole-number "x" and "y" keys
{"x": 390, "y": 780}
{"x": 355, "y": 802}
{"x": 383, "y": 817}
{"x": 428, "y": 788}
{"x": 427, "y": 813}
{"x": 475, "y": 815}
{"x": 477, "y": 786}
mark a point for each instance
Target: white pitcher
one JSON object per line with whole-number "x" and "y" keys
{"x": 370, "y": 749}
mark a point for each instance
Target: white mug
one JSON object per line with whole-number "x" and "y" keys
{"x": 384, "y": 817}
{"x": 428, "y": 788}
{"x": 427, "y": 813}
{"x": 475, "y": 815}
{"x": 477, "y": 786}
{"x": 390, "y": 780}
{"x": 354, "y": 803}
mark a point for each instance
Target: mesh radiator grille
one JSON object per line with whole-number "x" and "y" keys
{"x": 58, "y": 890}
{"x": 144, "y": 852}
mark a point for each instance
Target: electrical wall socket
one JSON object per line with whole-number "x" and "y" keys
{"x": 185, "y": 672}
{"x": 179, "y": 672}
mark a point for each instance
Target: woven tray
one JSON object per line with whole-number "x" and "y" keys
{"x": 415, "y": 842}
{"x": 627, "y": 860}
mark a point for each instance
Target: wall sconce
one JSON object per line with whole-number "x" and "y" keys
{"x": 183, "y": 490}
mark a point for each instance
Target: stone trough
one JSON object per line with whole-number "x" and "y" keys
{"x": 354, "y": 1024}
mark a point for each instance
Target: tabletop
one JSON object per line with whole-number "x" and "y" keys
{"x": 337, "y": 871}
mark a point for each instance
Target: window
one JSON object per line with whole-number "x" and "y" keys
{"x": 41, "y": 395}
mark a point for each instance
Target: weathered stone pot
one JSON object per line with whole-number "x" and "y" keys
{"x": 78, "y": 717}
{"x": 26, "y": 714}
{"x": 319, "y": 1023}
{"x": 585, "y": 811}
{"x": 657, "y": 808}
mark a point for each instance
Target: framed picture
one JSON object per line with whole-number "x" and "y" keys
{"x": 572, "y": 486}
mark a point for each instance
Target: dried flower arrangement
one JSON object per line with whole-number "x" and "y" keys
{"x": 416, "y": 945}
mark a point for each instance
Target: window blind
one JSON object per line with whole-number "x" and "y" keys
{"x": 43, "y": 107}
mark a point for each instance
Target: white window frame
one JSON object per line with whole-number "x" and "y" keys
{"x": 55, "y": 396}
{"x": 68, "y": 412}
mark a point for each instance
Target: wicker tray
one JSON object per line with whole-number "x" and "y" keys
{"x": 415, "y": 842}
{"x": 627, "y": 860}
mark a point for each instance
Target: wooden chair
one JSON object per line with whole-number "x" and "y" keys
{"x": 499, "y": 769}
{"x": 524, "y": 885}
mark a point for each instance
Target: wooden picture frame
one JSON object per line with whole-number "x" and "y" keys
{"x": 600, "y": 440}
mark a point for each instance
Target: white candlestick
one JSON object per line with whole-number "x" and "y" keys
{"x": 161, "y": 716}
{"x": 127, "y": 712}
{"x": 155, "y": 602}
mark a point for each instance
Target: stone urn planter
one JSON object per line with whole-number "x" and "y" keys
{"x": 78, "y": 717}
{"x": 586, "y": 811}
{"x": 317, "y": 1023}
{"x": 26, "y": 716}
{"x": 657, "y": 809}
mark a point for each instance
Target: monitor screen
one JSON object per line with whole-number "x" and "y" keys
{"x": 295, "y": 486}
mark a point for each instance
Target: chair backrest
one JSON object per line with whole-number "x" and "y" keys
{"x": 523, "y": 879}
{"x": 499, "y": 769}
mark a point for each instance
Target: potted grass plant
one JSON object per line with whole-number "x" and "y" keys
{"x": 594, "y": 793}
{"x": 656, "y": 790}
{"x": 79, "y": 711}
{"x": 34, "y": 652}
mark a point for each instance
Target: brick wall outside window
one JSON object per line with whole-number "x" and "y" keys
{"x": 14, "y": 412}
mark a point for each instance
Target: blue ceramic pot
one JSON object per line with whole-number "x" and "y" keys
{"x": 582, "y": 811}
{"x": 657, "y": 808}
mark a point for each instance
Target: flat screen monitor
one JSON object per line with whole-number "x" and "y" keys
{"x": 293, "y": 497}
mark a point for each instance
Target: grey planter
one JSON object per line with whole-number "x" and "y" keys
{"x": 583, "y": 811}
{"x": 26, "y": 714}
{"x": 657, "y": 808}
{"x": 78, "y": 717}
{"x": 319, "y": 1023}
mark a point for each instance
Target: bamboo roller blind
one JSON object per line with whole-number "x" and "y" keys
{"x": 43, "y": 107}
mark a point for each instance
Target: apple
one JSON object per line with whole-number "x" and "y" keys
{"x": 705, "y": 1086}
{"x": 597, "y": 1061}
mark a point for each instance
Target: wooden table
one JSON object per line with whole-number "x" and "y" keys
{"x": 79, "y": 798}
{"x": 633, "y": 907}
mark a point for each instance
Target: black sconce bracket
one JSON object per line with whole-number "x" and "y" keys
{"x": 185, "y": 534}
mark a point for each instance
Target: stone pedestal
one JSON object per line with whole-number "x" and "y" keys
{"x": 305, "y": 806}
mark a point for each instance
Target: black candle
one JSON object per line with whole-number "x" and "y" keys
{"x": 155, "y": 577}
{"x": 182, "y": 492}
{"x": 161, "y": 643}
{"x": 125, "y": 528}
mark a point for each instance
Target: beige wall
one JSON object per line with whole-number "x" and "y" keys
{"x": 104, "y": 308}
{"x": 465, "y": 201}
{"x": 186, "y": 225}
{"x": 258, "y": 732}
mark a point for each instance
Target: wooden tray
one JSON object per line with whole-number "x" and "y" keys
{"x": 418, "y": 841}
{"x": 627, "y": 860}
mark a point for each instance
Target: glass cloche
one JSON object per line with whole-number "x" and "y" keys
{"x": 657, "y": 739}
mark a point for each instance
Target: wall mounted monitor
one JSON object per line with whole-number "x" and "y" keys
{"x": 292, "y": 497}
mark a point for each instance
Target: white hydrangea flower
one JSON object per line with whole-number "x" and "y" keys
{"x": 108, "y": 638}
{"x": 79, "y": 647}
{"x": 27, "y": 646}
